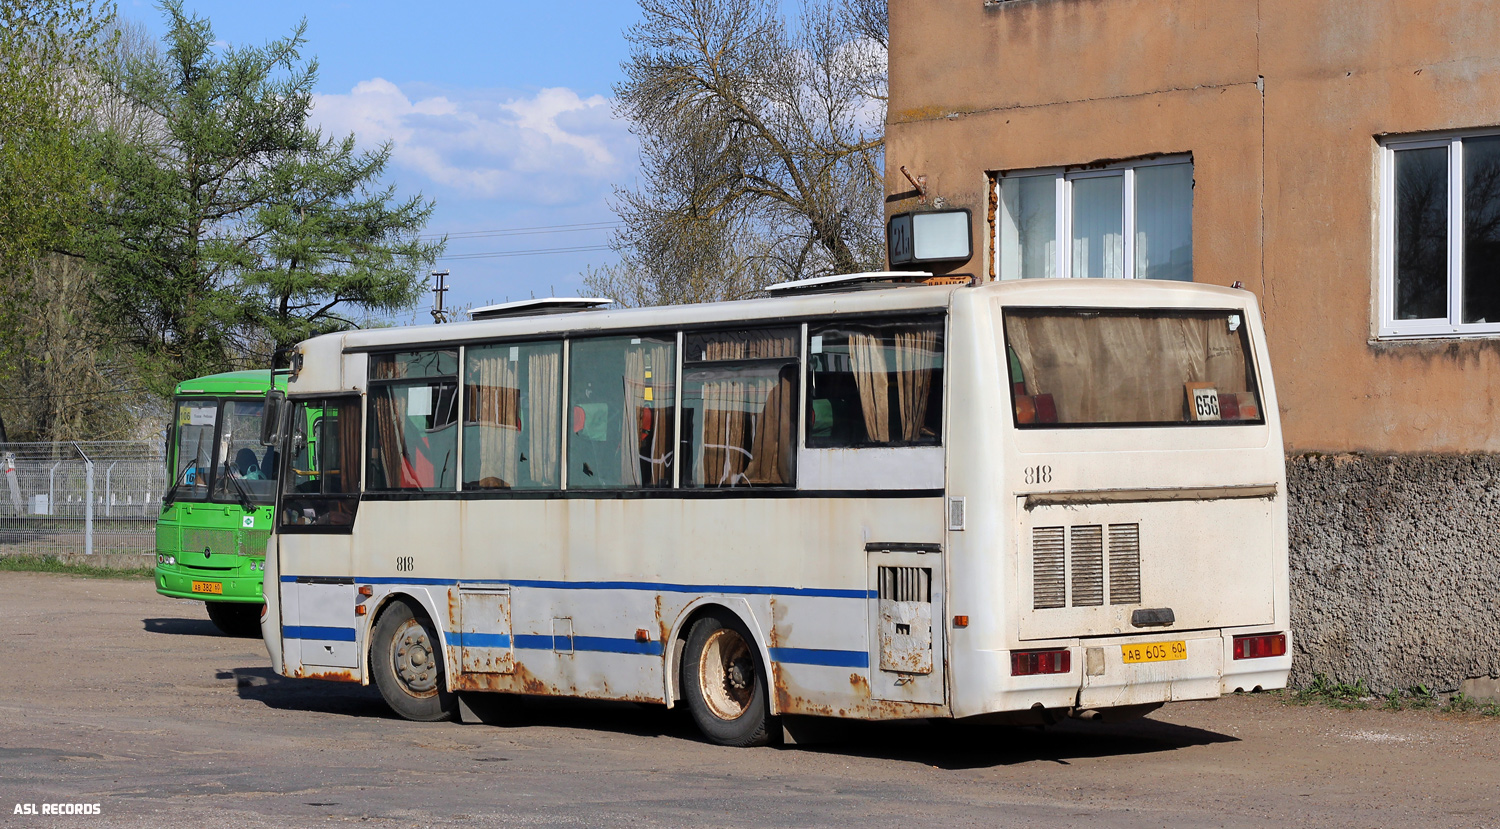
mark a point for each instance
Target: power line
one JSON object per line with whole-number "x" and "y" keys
{"x": 525, "y": 231}
{"x": 501, "y": 254}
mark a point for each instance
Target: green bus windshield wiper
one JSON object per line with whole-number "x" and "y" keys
{"x": 234, "y": 478}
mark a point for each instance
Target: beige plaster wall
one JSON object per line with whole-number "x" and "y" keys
{"x": 1281, "y": 104}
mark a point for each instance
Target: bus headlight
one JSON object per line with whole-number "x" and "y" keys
{"x": 167, "y": 560}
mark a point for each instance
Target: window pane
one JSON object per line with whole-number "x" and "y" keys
{"x": 1028, "y": 227}
{"x": 513, "y": 416}
{"x": 412, "y": 364}
{"x": 323, "y": 465}
{"x": 738, "y": 393}
{"x": 414, "y": 436}
{"x": 1113, "y": 367}
{"x": 1422, "y": 233}
{"x": 1482, "y": 230}
{"x": 195, "y": 445}
{"x": 1099, "y": 227}
{"x": 621, "y": 394}
{"x": 1164, "y": 222}
{"x": 879, "y": 384}
{"x": 241, "y": 455}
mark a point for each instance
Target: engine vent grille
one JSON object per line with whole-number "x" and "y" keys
{"x": 1048, "y": 568}
{"x": 906, "y": 584}
{"x": 1087, "y": 556}
{"x": 1124, "y": 563}
{"x": 1064, "y": 557}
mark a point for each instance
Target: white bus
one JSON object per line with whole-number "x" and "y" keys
{"x": 1018, "y": 500}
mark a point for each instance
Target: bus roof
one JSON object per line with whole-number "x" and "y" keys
{"x": 766, "y": 310}
{"x": 252, "y": 381}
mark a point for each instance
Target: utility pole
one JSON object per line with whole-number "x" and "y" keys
{"x": 439, "y": 316}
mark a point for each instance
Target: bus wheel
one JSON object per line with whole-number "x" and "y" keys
{"x": 724, "y": 683}
{"x": 406, "y": 659}
{"x": 235, "y": 618}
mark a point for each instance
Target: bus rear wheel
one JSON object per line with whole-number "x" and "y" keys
{"x": 406, "y": 661}
{"x": 235, "y": 618}
{"x": 724, "y": 683}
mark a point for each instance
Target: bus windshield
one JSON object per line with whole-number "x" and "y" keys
{"x": 1080, "y": 367}
{"x": 218, "y": 453}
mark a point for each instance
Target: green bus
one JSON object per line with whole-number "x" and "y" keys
{"x": 216, "y": 512}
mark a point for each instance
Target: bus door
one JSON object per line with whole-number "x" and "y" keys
{"x": 316, "y": 521}
{"x": 906, "y": 612}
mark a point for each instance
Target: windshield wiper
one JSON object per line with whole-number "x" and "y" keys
{"x": 234, "y": 478}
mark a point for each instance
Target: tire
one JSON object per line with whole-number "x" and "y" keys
{"x": 238, "y": 619}
{"x": 406, "y": 662}
{"x": 724, "y": 683}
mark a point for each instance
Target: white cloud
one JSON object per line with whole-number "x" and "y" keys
{"x": 554, "y": 147}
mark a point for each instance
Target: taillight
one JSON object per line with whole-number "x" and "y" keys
{"x": 1259, "y": 646}
{"x": 1027, "y": 663}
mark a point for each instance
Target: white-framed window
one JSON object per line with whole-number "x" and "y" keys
{"x": 1132, "y": 220}
{"x": 1440, "y": 236}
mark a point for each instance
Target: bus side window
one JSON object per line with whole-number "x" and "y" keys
{"x": 413, "y": 437}
{"x": 513, "y": 416}
{"x": 875, "y": 383}
{"x": 739, "y": 396}
{"x": 322, "y": 464}
{"x": 621, "y": 395}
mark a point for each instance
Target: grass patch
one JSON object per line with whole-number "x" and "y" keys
{"x": 53, "y": 564}
{"x": 1357, "y": 695}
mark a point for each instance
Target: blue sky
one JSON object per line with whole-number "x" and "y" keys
{"x": 498, "y": 111}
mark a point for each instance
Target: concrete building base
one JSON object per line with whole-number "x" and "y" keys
{"x": 1395, "y": 569}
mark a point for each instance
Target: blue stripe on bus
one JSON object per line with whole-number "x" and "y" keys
{"x": 467, "y": 639}
{"x": 815, "y": 656}
{"x": 659, "y": 587}
{"x": 597, "y": 644}
{"x": 323, "y": 633}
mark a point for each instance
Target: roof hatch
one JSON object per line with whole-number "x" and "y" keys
{"x": 539, "y": 307}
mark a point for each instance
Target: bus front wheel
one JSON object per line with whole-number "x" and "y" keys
{"x": 724, "y": 683}
{"x": 406, "y": 659}
{"x": 235, "y": 618}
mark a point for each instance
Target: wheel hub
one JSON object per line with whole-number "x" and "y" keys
{"x": 726, "y": 674}
{"x": 413, "y": 659}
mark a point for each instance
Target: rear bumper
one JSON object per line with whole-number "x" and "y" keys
{"x": 1100, "y": 678}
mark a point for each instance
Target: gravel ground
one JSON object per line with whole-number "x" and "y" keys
{"x": 113, "y": 695}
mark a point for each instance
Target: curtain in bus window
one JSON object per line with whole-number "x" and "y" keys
{"x": 915, "y": 351}
{"x": 390, "y": 469}
{"x": 492, "y": 433}
{"x": 867, "y": 356}
{"x": 645, "y": 433}
{"x": 544, "y": 415}
{"x": 1126, "y": 367}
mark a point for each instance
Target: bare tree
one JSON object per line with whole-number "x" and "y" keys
{"x": 761, "y": 147}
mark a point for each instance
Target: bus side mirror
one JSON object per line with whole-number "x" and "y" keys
{"x": 270, "y": 425}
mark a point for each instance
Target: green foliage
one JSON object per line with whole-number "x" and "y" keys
{"x": 1333, "y": 693}
{"x": 1357, "y": 695}
{"x": 46, "y": 46}
{"x": 230, "y": 225}
{"x": 53, "y": 564}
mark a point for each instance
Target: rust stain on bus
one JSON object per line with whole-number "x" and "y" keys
{"x": 331, "y": 676}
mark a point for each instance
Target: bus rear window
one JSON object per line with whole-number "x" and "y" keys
{"x": 1088, "y": 367}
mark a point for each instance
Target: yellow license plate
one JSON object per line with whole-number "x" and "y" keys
{"x": 1154, "y": 652}
{"x": 213, "y": 587}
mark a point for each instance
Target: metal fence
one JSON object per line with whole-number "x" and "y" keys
{"x": 81, "y": 497}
